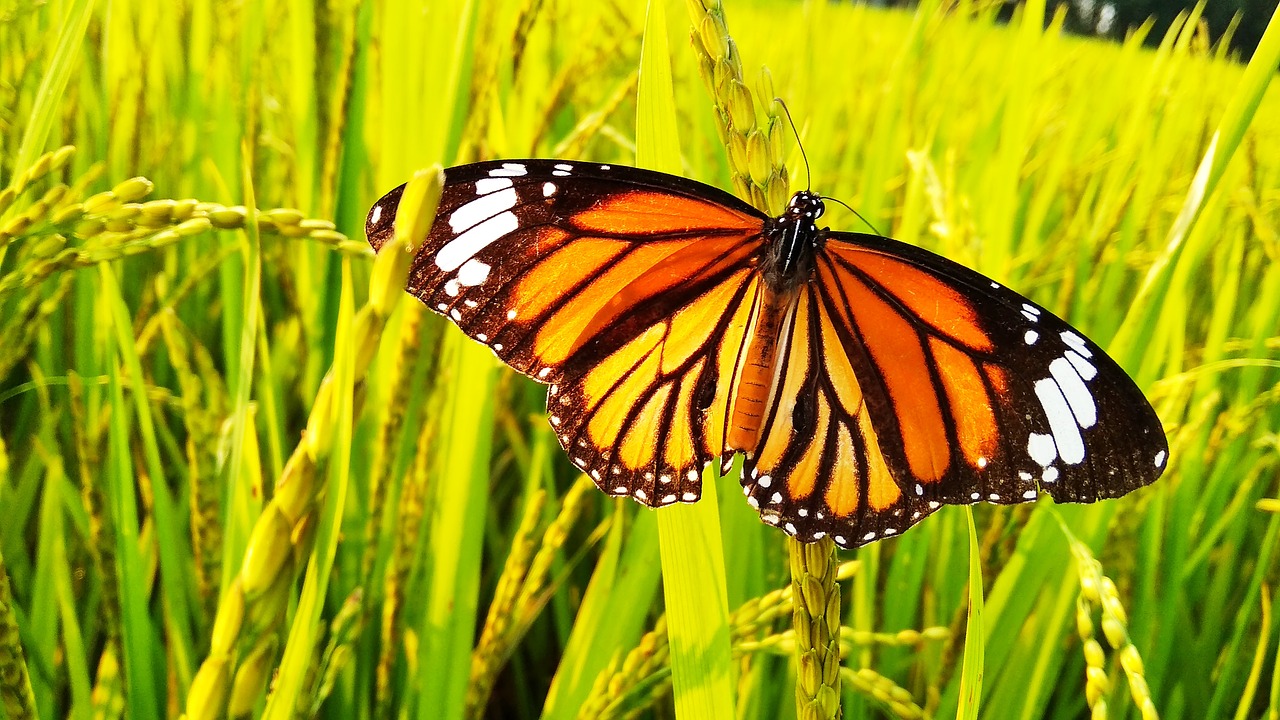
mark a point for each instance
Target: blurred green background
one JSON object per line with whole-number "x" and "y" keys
{"x": 205, "y": 413}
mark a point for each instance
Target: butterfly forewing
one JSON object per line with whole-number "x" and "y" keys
{"x": 624, "y": 290}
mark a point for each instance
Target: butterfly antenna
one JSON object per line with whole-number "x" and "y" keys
{"x": 794, "y": 131}
{"x": 855, "y": 212}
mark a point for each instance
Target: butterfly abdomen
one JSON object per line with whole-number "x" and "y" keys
{"x": 756, "y": 377}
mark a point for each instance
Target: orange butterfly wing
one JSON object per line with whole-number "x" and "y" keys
{"x": 906, "y": 381}
{"x": 628, "y": 292}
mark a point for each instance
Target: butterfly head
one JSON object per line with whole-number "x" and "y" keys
{"x": 792, "y": 241}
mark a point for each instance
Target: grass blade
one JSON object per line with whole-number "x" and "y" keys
{"x": 692, "y": 551}
{"x": 974, "y": 638}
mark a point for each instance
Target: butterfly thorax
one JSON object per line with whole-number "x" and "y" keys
{"x": 791, "y": 242}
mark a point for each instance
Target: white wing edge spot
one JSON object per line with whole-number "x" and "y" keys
{"x": 1160, "y": 458}
{"x": 509, "y": 170}
{"x": 1076, "y": 342}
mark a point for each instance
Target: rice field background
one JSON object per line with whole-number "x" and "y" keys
{"x": 241, "y": 474}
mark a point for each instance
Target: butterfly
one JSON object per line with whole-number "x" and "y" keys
{"x": 867, "y": 382}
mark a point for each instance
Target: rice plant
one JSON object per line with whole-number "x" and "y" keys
{"x": 242, "y": 475}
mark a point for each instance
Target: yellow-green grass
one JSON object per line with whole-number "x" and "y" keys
{"x": 164, "y": 345}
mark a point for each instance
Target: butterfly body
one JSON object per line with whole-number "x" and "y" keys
{"x": 867, "y": 382}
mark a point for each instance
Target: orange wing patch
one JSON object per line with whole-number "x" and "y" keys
{"x": 641, "y": 212}
{"x": 971, "y": 408}
{"x": 646, "y": 392}
{"x": 929, "y": 300}
{"x": 895, "y": 348}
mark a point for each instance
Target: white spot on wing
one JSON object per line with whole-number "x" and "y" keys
{"x": 482, "y": 208}
{"x": 1030, "y": 494}
{"x": 1050, "y": 475}
{"x": 451, "y": 288}
{"x": 765, "y": 481}
{"x": 1078, "y": 396}
{"x": 1066, "y": 435}
{"x": 375, "y": 215}
{"x": 509, "y": 170}
{"x": 1030, "y": 337}
{"x": 457, "y": 316}
{"x": 689, "y": 497}
{"x": 466, "y": 245}
{"x": 473, "y": 272}
{"x": 1042, "y": 449}
{"x": 1082, "y": 366}
{"x": 548, "y": 189}
{"x": 1160, "y": 457}
{"x": 484, "y": 186}
{"x": 1077, "y": 343}
{"x": 511, "y": 314}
